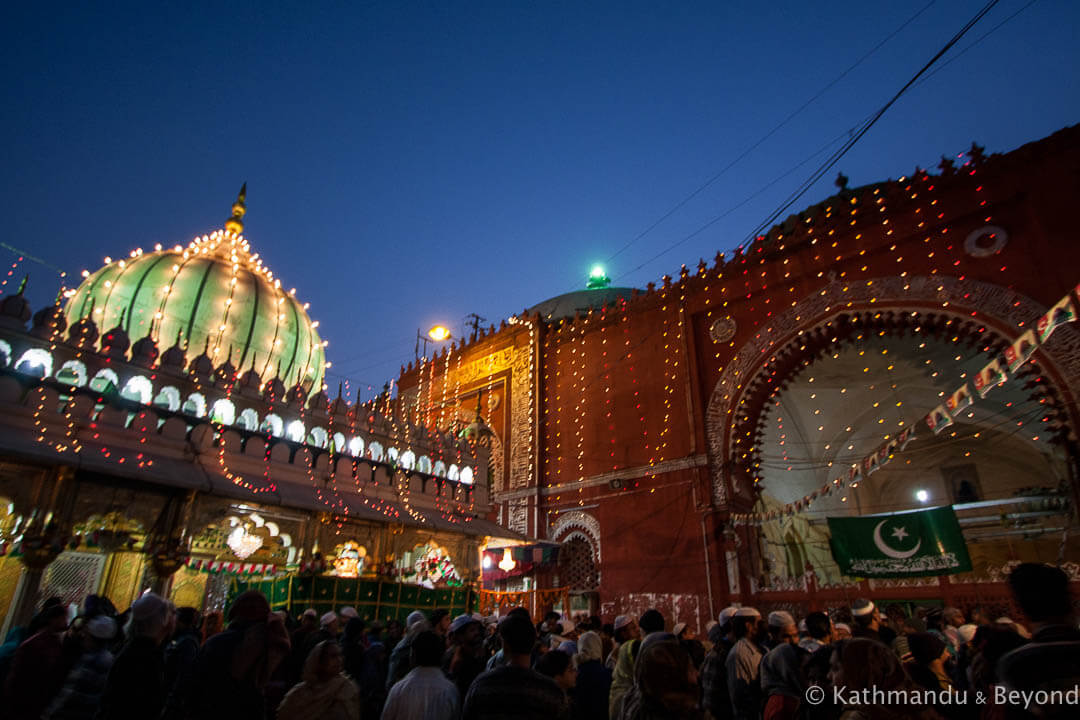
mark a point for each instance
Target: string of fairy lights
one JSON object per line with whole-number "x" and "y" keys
{"x": 233, "y": 251}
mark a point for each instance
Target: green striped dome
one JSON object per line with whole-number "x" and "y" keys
{"x": 213, "y": 294}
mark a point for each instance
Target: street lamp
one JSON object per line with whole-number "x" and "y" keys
{"x": 438, "y": 333}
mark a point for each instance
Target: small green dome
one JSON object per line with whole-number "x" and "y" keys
{"x": 214, "y": 294}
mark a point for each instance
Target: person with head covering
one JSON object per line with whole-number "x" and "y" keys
{"x": 136, "y": 685}
{"x": 650, "y": 622}
{"x": 715, "y": 698}
{"x": 325, "y": 693}
{"x": 868, "y": 622}
{"x": 665, "y": 683}
{"x": 79, "y": 698}
{"x": 841, "y": 631}
{"x": 37, "y": 668}
{"x": 624, "y": 630}
{"x": 744, "y": 664}
{"x": 783, "y": 682}
{"x": 589, "y": 698}
{"x": 782, "y": 629}
{"x": 424, "y": 693}
{"x": 463, "y": 659}
{"x": 232, "y": 671}
{"x": 514, "y": 689}
{"x": 400, "y": 663}
{"x": 688, "y": 639}
{"x": 309, "y": 623}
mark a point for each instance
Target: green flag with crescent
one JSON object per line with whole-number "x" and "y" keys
{"x": 908, "y": 544}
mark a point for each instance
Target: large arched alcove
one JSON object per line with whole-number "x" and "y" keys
{"x": 846, "y": 369}
{"x": 981, "y": 315}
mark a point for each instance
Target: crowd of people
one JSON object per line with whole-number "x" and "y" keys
{"x": 158, "y": 661}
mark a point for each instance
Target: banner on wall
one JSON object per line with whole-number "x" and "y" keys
{"x": 910, "y": 544}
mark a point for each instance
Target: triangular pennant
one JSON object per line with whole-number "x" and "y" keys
{"x": 870, "y": 464}
{"x": 989, "y": 377}
{"x": 959, "y": 400}
{"x": 905, "y": 437}
{"x": 1062, "y": 313}
{"x": 938, "y": 419}
{"x": 1020, "y": 351}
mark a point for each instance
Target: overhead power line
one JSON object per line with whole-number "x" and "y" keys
{"x": 831, "y": 162}
{"x": 791, "y": 116}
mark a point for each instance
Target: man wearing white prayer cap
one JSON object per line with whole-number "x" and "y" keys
{"x": 713, "y": 677}
{"x": 744, "y": 664}
{"x": 868, "y": 622}
{"x": 782, "y": 629}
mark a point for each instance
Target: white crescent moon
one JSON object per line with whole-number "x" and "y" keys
{"x": 895, "y": 554}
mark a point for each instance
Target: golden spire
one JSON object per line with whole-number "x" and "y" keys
{"x": 235, "y": 224}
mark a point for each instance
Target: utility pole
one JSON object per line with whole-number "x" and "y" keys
{"x": 473, "y": 321}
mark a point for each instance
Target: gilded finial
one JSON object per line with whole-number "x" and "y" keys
{"x": 235, "y": 224}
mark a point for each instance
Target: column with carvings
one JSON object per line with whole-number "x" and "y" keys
{"x": 43, "y": 539}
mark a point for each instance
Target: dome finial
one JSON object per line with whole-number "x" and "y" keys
{"x": 235, "y": 224}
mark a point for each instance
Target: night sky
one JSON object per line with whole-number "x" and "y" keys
{"x": 410, "y": 163}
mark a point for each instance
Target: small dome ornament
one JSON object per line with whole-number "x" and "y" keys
{"x": 202, "y": 366}
{"x": 84, "y": 332}
{"x": 115, "y": 343}
{"x": 49, "y": 321}
{"x": 15, "y": 310}
{"x": 174, "y": 357}
{"x": 145, "y": 351}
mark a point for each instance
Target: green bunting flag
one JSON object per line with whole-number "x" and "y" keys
{"x": 909, "y": 544}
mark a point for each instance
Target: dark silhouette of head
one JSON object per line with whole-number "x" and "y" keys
{"x": 1042, "y": 591}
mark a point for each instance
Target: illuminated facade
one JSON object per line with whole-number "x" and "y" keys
{"x": 124, "y": 467}
{"x": 685, "y": 442}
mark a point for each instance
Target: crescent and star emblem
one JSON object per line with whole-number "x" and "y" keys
{"x": 899, "y": 533}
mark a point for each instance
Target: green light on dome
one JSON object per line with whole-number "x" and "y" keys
{"x": 598, "y": 278}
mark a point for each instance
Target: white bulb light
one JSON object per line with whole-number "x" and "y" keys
{"x": 922, "y": 496}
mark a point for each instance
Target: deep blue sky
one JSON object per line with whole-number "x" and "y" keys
{"x": 409, "y": 163}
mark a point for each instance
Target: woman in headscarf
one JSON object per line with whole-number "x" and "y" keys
{"x": 325, "y": 693}
{"x": 783, "y": 681}
{"x": 862, "y": 666}
{"x": 590, "y": 696}
{"x": 665, "y": 683}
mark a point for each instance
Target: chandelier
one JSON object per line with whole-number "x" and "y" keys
{"x": 507, "y": 563}
{"x": 243, "y": 543}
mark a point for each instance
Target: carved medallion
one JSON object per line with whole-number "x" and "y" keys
{"x": 722, "y": 330}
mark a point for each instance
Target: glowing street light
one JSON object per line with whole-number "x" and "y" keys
{"x": 438, "y": 333}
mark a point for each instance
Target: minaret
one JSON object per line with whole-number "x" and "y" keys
{"x": 235, "y": 224}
